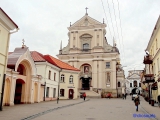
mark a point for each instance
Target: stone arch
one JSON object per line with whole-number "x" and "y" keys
{"x": 27, "y": 77}
{"x": 7, "y": 92}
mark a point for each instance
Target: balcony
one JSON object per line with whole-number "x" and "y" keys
{"x": 149, "y": 78}
{"x": 147, "y": 59}
{"x": 85, "y": 75}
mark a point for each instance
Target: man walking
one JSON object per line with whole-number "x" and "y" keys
{"x": 137, "y": 102}
{"x": 84, "y": 96}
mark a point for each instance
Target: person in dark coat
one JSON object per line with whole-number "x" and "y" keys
{"x": 84, "y": 96}
{"x": 158, "y": 98}
{"x": 137, "y": 102}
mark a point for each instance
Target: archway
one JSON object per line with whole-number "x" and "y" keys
{"x": 18, "y": 91}
{"x": 7, "y": 89}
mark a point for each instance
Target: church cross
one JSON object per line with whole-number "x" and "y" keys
{"x": 86, "y": 11}
{"x": 23, "y": 41}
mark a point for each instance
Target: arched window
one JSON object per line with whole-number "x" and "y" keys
{"x": 62, "y": 92}
{"x": 62, "y": 78}
{"x": 71, "y": 79}
{"x": 85, "y": 46}
{"x": 119, "y": 84}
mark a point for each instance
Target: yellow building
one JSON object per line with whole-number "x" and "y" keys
{"x": 7, "y": 27}
{"x": 153, "y": 69}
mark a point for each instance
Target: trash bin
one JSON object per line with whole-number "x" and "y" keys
{"x": 152, "y": 102}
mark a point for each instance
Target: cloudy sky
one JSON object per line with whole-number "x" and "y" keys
{"x": 43, "y": 24}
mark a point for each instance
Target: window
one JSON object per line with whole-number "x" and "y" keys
{"x": 71, "y": 79}
{"x": 85, "y": 46}
{"x": 62, "y": 78}
{"x": 47, "y": 92}
{"x": 54, "y": 92}
{"x": 139, "y": 84}
{"x": 54, "y": 76}
{"x": 130, "y": 84}
{"x": 119, "y": 84}
{"x": 62, "y": 92}
{"x": 107, "y": 64}
{"x": 49, "y": 75}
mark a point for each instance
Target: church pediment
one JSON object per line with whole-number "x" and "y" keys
{"x": 134, "y": 76}
{"x": 86, "y": 21}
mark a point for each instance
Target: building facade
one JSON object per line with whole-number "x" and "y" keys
{"x": 133, "y": 80}
{"x": 89, "y": 51}
{"x": 151, "y": 74}
{"x": 7, "y": 27}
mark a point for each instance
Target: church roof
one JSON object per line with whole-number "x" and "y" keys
{"x": 59, "y": 63}
{"x": 13, "y": 57}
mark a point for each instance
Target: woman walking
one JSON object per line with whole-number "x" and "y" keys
{"x": 137, "y": 102}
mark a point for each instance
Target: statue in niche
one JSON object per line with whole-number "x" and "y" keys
{"x": 108, "y": 77}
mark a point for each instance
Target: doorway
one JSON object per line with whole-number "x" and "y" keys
{"x": 18, "y": 91}
{"x": 71, "y": 93}
{"x": 85, "y": 84}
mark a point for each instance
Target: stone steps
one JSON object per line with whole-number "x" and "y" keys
{"x": 90, "y": 94}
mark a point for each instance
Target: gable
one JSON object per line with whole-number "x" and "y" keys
{"x": 86, "y": 21}
{"x": 134, "y": 76}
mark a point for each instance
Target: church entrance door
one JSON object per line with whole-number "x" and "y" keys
{"x": 85, "y": 84}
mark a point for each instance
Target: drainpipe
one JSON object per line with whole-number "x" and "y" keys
{"x": 44, "y": 91}
{"x": 59, "y": 85}
{"x": 4, "y": 77}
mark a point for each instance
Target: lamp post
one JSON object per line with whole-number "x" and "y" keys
{"x": 44, "y": 91}
{"x": 59, "y": 85}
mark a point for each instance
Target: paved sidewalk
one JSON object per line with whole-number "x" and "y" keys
{"x": 19, "y": 112}
{"x": 150, "y": 109}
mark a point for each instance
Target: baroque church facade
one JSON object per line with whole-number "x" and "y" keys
{"x": 89, "y": 51}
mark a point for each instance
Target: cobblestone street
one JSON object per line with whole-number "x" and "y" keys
{"x": 92, "y": 109}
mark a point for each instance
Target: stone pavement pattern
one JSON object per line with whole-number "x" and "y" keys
{"x": 94, "y": 109}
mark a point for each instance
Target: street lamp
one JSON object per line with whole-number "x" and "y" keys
{"x": 59, "y": 85}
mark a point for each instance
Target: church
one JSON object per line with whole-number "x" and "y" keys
{"x": 89, "y": 51}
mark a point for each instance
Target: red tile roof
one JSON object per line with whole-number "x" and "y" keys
{"x": 59, "y": 63}
{"x": 37, "y": 57}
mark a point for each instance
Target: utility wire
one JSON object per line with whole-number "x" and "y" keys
{"x": 111, "y": 19}
{"x": 116, "y": 23}
{"x": 121, "y": 31}
{"x": 106, "y": 18}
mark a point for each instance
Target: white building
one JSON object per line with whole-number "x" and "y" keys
{"x": 133, "y": 80}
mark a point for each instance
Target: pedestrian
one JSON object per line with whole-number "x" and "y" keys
{"x": 158, "y": 98}
{"x": 84, "y": 96}
{"x": 109, "y": 95}
{"x": 125, "y": 95}
{"x": 137, "y": 102}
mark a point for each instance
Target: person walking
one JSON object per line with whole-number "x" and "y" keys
{"x": 137, "y": 102}
{"x": 158, "y": 98}
{"x": 84, "y": 96}
{"x": 125, "y": 95}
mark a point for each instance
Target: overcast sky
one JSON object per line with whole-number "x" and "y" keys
{"x": 43, "y": 24}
